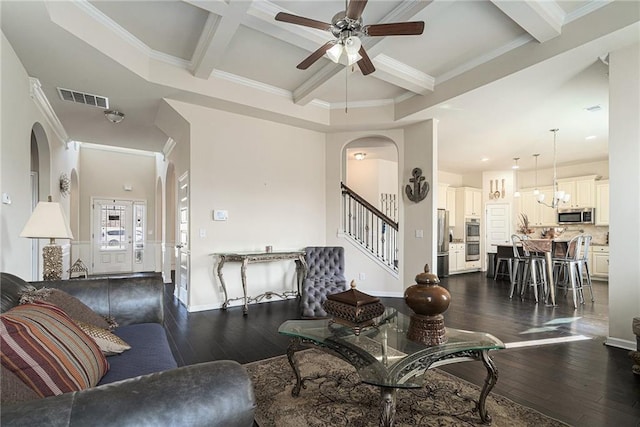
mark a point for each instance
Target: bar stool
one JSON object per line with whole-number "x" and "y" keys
{"x": 535, "y": 274}
{"x": 584, "y": 264}
{"x": 518, "y": 265}
{"x": 569, "y": 268}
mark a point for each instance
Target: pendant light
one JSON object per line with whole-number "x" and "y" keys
{"x": 559, "y": 196}
{"x": 535, "y": 190}
{"x": 515, "y": 184}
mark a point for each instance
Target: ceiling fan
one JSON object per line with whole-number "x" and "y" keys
{"x": 347, "y": 28}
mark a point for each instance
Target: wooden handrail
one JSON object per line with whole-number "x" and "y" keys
{"x": 369, "y": 206}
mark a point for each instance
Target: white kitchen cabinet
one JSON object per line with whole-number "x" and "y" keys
{"x": 602, "y": 202}
{"x": 581, "y": 189}
{"x": 451, "y": 206}
{"x": 456, "y": 257}
{"x": 599, "y": 262}
{"x": 470, "y": 201}
{"x": 539, "y": 215}
{"x": 442, "y": 196}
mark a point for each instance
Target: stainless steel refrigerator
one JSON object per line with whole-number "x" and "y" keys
{"x": 443, "y": 243}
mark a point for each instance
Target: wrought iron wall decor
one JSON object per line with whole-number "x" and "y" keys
{"x": 65, "y": 184}
{"x": 420, "y": 188}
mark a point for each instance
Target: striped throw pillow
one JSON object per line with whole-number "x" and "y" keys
{"x": 47, "y": 351}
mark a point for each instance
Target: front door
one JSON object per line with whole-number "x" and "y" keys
{"x": 112, "y": 236}
{"x": 182, "y": 248}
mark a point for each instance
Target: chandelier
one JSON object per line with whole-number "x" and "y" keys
{"x": 559, "y": 196}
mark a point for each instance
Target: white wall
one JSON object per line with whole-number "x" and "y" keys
{"x": 624, "y": 199}
{"x": 372, "y": 177}
{"x": 18, "y": 116}
{"x": 271, "y": 180}
{"x": 420, "y": 151}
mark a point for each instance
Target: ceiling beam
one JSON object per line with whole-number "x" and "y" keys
{"x": 305, "y": 93}
{"x": 216, "y": 36}
{"x": 542, "y": 19}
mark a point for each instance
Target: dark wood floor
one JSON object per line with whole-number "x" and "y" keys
{"x": 583, "y": 383}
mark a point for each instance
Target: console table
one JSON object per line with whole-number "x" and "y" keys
{"x": 254, "y": 257}
{"x": 384, "y": 357}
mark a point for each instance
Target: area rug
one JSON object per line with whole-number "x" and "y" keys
{"x": 335, "y": 397}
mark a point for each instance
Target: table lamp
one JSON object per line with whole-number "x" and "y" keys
{"x": 49, "y": 222}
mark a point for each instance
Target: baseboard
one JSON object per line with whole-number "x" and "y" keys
{"x": 619, "y": 343}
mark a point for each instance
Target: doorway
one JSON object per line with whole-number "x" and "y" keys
{"x": 118, "y": 237}
{"x": 182, "y": 248}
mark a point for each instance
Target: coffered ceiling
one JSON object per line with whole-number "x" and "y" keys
{"x": 497, "y": 75}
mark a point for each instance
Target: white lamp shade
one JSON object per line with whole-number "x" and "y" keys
{"x": 47, "y": 222}
{"x": 335, "y": 52}
{"x": 352, "y": 44}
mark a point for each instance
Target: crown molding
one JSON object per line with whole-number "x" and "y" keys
{"x": 402, "y": 75}
{"x": 168, "y": 148}
{"x": 41, "y": 101}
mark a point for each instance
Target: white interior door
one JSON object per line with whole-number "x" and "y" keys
{"x": 498, "y": 225}
{"x": 112, "y": 236}
{"x": 182, "y": 248}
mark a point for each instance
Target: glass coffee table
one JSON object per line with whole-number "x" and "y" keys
{"x": 384, "y": 357}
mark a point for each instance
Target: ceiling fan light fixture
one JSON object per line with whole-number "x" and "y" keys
{"x": 352, "y": 58}
{"x": 352, "y": 44}
{"x": 114, "y": 116}
{"x": 335, "y": 52}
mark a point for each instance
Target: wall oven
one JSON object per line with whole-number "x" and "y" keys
{"x": 472, "y": 251}
{"x": 472, "y": 231}
{"x": 472, "y": 240}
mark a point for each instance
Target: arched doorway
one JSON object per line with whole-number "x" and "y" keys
{"x": 370, "y": 168}
{"x": 74, "y": 213}
{"x": 158, "y": 227}
{"x": 40, "y": 186}
{"x": 169, "y": 256}
{"x": 371, "y": 203}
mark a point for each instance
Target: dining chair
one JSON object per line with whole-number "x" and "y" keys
{"x": 566, "y": 270}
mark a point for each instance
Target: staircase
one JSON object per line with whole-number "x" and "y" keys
{"x": 370, "y": 229}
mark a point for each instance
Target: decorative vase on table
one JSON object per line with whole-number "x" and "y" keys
{"x": 428, "y": 300}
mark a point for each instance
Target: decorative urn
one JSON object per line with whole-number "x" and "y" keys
{"x": 428, "y": 300}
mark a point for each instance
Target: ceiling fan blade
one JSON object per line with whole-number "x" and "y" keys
{"x": 413, "y": 28}
{"x": 365, "y": 64}
{"x": 300, "y": 20}
{"x": 309, "y": 60}
{"x": 355, "y": 8}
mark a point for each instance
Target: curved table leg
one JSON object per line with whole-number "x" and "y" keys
{"x": 387, "y": 417}
{"x": 293, "y": 346}
{"x": 225, "y": 304}
{"x": 243, "y": 273}
{"x": 489, "y": 382}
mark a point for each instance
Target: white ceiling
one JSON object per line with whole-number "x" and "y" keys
{"x": 496, "y": 74}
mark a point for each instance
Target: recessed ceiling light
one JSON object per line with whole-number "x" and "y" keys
{"x": 484, "y": 159}
{"x": 591, "y": 137}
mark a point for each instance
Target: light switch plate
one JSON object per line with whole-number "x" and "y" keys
{"x": 6, "y": 199}
{"x": 419, "y": 234}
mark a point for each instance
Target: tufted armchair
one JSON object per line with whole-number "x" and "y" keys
{"x": 325, "y": 276}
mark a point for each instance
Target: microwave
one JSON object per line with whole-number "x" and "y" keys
{"x": 576, "y": 216}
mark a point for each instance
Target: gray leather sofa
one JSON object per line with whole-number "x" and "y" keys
{"x": 217, "y": 393}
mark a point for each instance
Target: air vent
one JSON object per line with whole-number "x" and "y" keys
{"x": 83, "y": 98}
